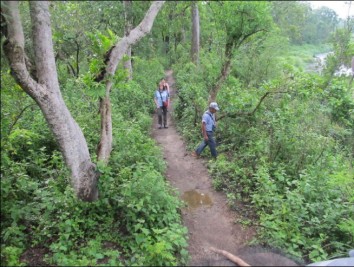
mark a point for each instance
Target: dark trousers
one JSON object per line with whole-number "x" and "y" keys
{"x": 211, "y": 143}
{"x": 162, "y": 115}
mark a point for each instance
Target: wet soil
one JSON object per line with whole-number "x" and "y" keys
{"x": 209, "y": 220}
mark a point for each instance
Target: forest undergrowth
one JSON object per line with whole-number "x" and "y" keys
{"x": 288, "y": 158}
{"x": 136, "y": 219}
{"x": 285, "y": 137}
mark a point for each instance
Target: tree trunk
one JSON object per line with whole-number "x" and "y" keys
{"x": 225, "y": 70}
{"x": 128, "y": 16}
{"x": 233, "y": 42}
{"x": 47, "y": 94}
{"x": 105, "y": 146}
{"x": 77, "y": 58}
{"x": 195, "y": 34}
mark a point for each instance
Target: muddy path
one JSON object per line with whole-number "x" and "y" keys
{"x": 209, "y": 220}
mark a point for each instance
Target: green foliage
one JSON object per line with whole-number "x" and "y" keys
{"x": 302, "y": 24}
{"x": 76, "y": 232}
{"x": 260, "y": 60}
{"x": 21, "y": 140}
{"x": 148, "y": 73}
{"x": 134, "y": 146}
{"x": 150, "y": 216}
{"x": 136, "y": 220}
{"x": 101, "y": 43}
{"x": 250, "y": 17}
{"x": 12, "y": 254}
{"x": 289, "y": 160}
{"x": 91, "y": 254}
{"x": 23, "y": 129}
{"x": 302, "y": 213}
{"x": 341, "y": 102}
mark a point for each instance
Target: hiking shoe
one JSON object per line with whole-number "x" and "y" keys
{"x": 194, "y": 154}
{"x": 165, "y": 127}
{"x": 160, "y": 127}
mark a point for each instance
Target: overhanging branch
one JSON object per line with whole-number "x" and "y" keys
{"x": 251, "y": 113}
{"x": 18, "y": 117}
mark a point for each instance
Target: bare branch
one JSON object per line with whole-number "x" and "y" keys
{"x": 232, "y": 115}
{"x": 230, "y": 256}
{"x": 135, "y": 35}
{"x": 18, "y": 117}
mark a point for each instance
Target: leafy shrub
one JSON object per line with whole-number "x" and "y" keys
{"x": 148, "y": 72}
{"x": 150, "y": 215}
{"x": 289, "y": 159}
{"x": 39, "y": 207}
{"x": 45, "y": 212}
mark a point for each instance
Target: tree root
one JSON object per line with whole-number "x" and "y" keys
{"x": 230, "y": 256}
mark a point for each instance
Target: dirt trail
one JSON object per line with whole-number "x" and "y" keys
{"x": 209, "y": 220}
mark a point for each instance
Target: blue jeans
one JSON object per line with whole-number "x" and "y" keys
{"x": 211, "y": 143}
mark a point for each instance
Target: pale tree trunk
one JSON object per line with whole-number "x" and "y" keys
{"x": 128, "y": 17}
{"x": 128, "y": 63}
{"x": 45, "y": 91}
{"x": 105, "y": 146}
{"x": 195, "y": 34}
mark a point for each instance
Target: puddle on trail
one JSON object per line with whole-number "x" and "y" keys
{"x": 195, "y": 200}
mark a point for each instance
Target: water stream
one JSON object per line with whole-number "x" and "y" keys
{"x": 320, "y": 62}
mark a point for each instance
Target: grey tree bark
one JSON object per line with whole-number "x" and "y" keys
{"x": 195, "y": 33}
{"x": 128, "y": 17}
{"x": 44, "y": 89}
{"x": 105, "y": 146}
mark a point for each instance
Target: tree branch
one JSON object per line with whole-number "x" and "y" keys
{"x": 117, "y": 53}
{"x": 244, "y": 37}
{"x": 77, "y": 58}
{"x": 231, "y": 257}
{"x": 15, "y": 52}
{"x": 232, "y": 115}
{"x": 18, "y": 117}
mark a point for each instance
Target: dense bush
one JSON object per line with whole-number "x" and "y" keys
{"x": 136, "y": 220}
{"x": 289, "y": 159}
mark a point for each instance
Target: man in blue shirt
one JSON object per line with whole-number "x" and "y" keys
{"x": 208, "y": 128}
{"x": 162, "y": 99}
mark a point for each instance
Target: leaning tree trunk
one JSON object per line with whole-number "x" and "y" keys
{"x": 195, "y": 34}
{"x": 233, "y": 43}
{"x": 128, "y": 24}
{"x": 105, "y": 146}
{"x": 44, "y": 89}
{"x": 225, "y": 70}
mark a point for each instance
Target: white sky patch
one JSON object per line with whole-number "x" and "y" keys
{"x": 342, "y": 8}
